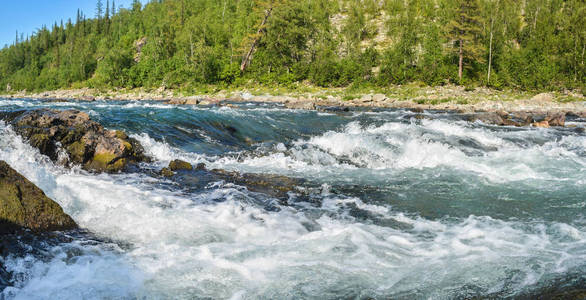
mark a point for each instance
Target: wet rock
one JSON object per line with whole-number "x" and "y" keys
{"x": 4, "y": 278}
{"x": 166, "y": 172}
{"x": 488, "y": 118}
{"x": 542, "y": 124}
{"x": 556, "y": 119}
{"x": 179, "y": 165}
{"x": 85, "y": 142}
{"x": 500, "y": 118}
{"x": 535, "y": 119}
{"x": 23, "y": 205}
{"x": 522, "y": 118}
{"x": 57, "y": 100}
{"x": 277, "y": 186}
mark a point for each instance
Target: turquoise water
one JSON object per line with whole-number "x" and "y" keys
{"x": 389, "y": 206}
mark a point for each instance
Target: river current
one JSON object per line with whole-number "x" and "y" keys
{"x": 388, "y": 206}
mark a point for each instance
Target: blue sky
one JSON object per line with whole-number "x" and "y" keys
{"x": 28, "y": 15}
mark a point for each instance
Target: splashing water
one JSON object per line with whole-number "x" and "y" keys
{"x": 406, "y": 208}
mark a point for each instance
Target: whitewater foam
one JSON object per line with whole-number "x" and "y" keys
{"x": 220, "y": 242}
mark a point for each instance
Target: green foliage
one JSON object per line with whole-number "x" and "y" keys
{"x": 191, "y": 44}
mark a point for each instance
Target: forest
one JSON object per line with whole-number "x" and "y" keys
{"x": 185, "y": 44}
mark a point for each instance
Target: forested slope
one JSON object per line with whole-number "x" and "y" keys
{"x": 183, "y": 44}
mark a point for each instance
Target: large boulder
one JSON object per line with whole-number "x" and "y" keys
{"x": 72, "y": 132}
{"x": 23, "y": 205}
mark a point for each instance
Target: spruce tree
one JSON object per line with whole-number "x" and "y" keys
{"x": 99, "y": 9}
{"x": 464, "y": 30}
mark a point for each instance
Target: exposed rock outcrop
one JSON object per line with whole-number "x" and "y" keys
{"x": 23, "y": 205}
{"x": 177, "y": 165}
{"x": 519, "y": 119}
{"x": 71, "y": 137}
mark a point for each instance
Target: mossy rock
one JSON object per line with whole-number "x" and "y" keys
{"x": 23, "y": 205}
{"x": 74, "y": 131}
{"x": 121, "y": 135}
{"x": 42, "y": 142}
{"x": 167, "y": 172}
{"x": 77, "y": 152}
{"x": 117, "y": 165}
{"x": 127, "y": 146}
{"x": 178, "y": 165}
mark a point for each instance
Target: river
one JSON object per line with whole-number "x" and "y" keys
{"x": 388, "y": 206}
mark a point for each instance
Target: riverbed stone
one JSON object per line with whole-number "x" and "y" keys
{"x": 556, "y": 119}
{"x": 180, "y": 165}
{"x": 24, "y": 206}
{"x": 166, "y": 172}
{"x": 86, "y": 142}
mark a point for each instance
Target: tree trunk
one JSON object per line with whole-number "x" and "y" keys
{"x": 261, "y": 30}
{"x": 490, "y": 52}
{"x": 460, "y": 62}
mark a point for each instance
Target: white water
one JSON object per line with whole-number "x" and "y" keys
{"x": 217, "y": 243}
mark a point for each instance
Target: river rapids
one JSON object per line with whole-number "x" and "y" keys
{"x": 388, "y": 206}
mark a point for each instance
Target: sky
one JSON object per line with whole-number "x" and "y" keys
{"x": 25, "y": 16}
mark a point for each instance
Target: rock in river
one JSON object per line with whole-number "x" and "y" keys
{"x": 71, "y": 137}
{"x": 23, "y": 205}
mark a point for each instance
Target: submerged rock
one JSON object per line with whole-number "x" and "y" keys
{"x": 84, "y": 141}
{"x": 277, "y": 186}
{"x": 24, "y": 205}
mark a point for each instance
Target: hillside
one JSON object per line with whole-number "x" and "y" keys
{"x": 184, "y": 44}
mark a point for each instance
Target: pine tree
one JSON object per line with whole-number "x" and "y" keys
{"x": 107, "y": 17}
{"x": 464, "y": 30}
{"x": 99, "y": 9}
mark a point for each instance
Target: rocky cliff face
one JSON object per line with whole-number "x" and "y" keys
{"x": 71, "y": 137}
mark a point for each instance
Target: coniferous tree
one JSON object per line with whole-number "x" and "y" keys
{"x": 99, "y": 9}
{"x": 464, "y": 30}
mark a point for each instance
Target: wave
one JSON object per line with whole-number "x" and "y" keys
{"x": 220, "y": 243}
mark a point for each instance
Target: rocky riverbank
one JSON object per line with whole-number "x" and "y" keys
{"x": 453, "y": 98}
